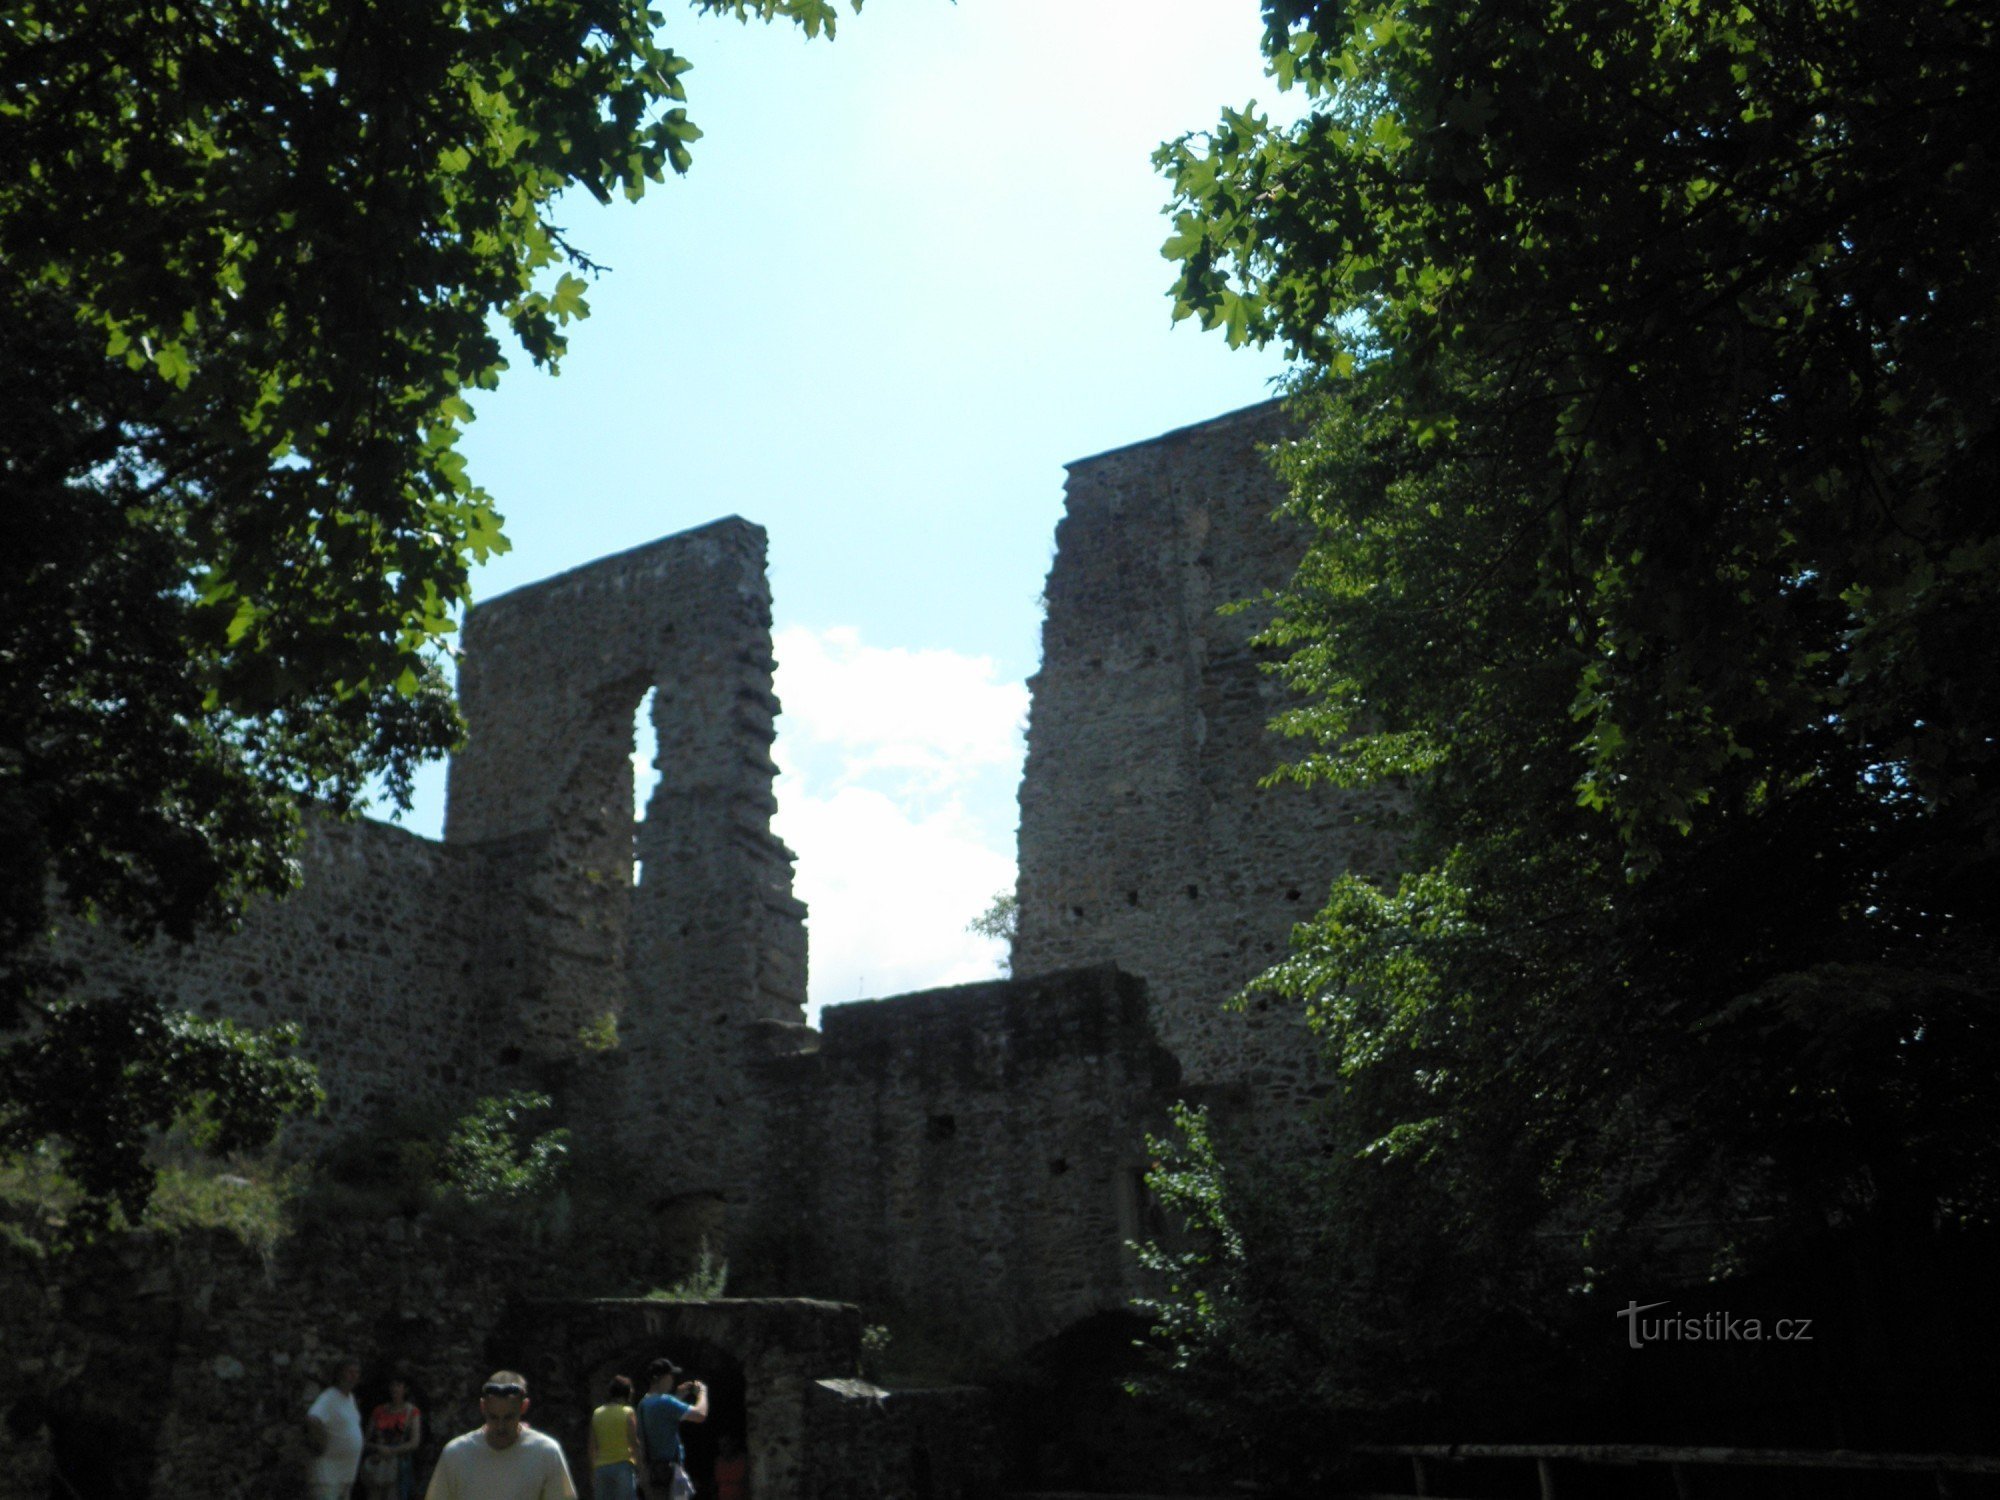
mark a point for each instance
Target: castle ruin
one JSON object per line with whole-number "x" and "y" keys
{"x": 974, "y": 1156}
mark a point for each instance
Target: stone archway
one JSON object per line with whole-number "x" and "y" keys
{"x": 763, "y": 1357}
{"x": 715, "y": 1366}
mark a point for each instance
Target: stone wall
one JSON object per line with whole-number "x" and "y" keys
{"x": 431, "y": 972}
{"x": 551, "y": 678}
{"x": 180, "y": 1365}
{"x": 765, "y": 1361}
{"x": 970, "y": 1156}
{"x": 442, "y": 972}
{"x": 1145, "y": 840}
{"x": 383, "y": 958}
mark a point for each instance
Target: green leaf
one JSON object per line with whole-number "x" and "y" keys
{"x": 567, "y": 302}
{"x": 172, "y": 362}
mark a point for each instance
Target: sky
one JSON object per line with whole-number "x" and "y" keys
{"x": 912, "y": 273}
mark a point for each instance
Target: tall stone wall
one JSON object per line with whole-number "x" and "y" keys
{"x": 550, "y": 681}
{"x": 968, "y": 1155}
{"x": 383, "y": 958}
{"x": 1145, "y": 840}
{"x": 438, "y": 972}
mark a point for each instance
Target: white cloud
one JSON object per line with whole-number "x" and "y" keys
{"x": 936, "y": 715}
{"x": 890, "y": 893}
{"x": 897, "y": 774}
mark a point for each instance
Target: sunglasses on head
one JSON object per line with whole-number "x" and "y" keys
{"x": 509, "y": 1389}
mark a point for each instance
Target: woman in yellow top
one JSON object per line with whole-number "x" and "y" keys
{"x": 614, "y": 1445}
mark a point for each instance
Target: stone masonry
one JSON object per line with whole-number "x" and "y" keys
{"x": 168, "y": 1365}
{"x": 1145, "y": 839}
{"x": 384, "y": 960}
{"x": 552, "y": 676}
{"x": 972, "y": 1154}
{"x": 967, "y": 1158}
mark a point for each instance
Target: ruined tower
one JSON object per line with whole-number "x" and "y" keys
{"x": 1146, "y": 840}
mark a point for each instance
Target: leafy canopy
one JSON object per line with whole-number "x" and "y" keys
{"x": 1648, "y": 358}
{"x": 104, "y": 1079}
{"x": 252, "y": 257}
{"x": 255, "y": 253}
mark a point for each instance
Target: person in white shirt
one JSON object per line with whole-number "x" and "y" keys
{"x": 333, "y": 1427}
{"x": 503, "y": 1458}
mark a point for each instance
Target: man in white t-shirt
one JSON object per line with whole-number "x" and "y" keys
{"x": 333, "y": 1428}
{"x": 504, "y": 1458}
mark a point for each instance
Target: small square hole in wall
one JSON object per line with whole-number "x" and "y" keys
{"x": 1057, "y": 1166}
{"x": 940, "y": 1127}
{"x": 509, "y": 1056}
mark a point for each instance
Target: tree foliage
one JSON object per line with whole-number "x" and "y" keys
{"x": 252, "y": 258}
{"x": 104, "y": 1078}
{"x": 1001, "y": 920}
{"x": 1648, "y": 399}
{"x": 494, "y": 1155}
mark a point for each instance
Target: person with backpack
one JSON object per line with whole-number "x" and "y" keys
{"x": 661, "y": 1411}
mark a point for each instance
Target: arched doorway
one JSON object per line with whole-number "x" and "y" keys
{"x": 728, "y": 1406}
{"x": 760, "y": 1356}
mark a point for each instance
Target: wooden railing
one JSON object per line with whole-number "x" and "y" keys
{"x": 1426, "y": 1461}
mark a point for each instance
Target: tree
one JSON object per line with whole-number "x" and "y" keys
{"x": 1000, "y": 921}
{"x": 103, "y": 1078}
{"x": 255, "y": 254}
{"x": 1648, "y": 387}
